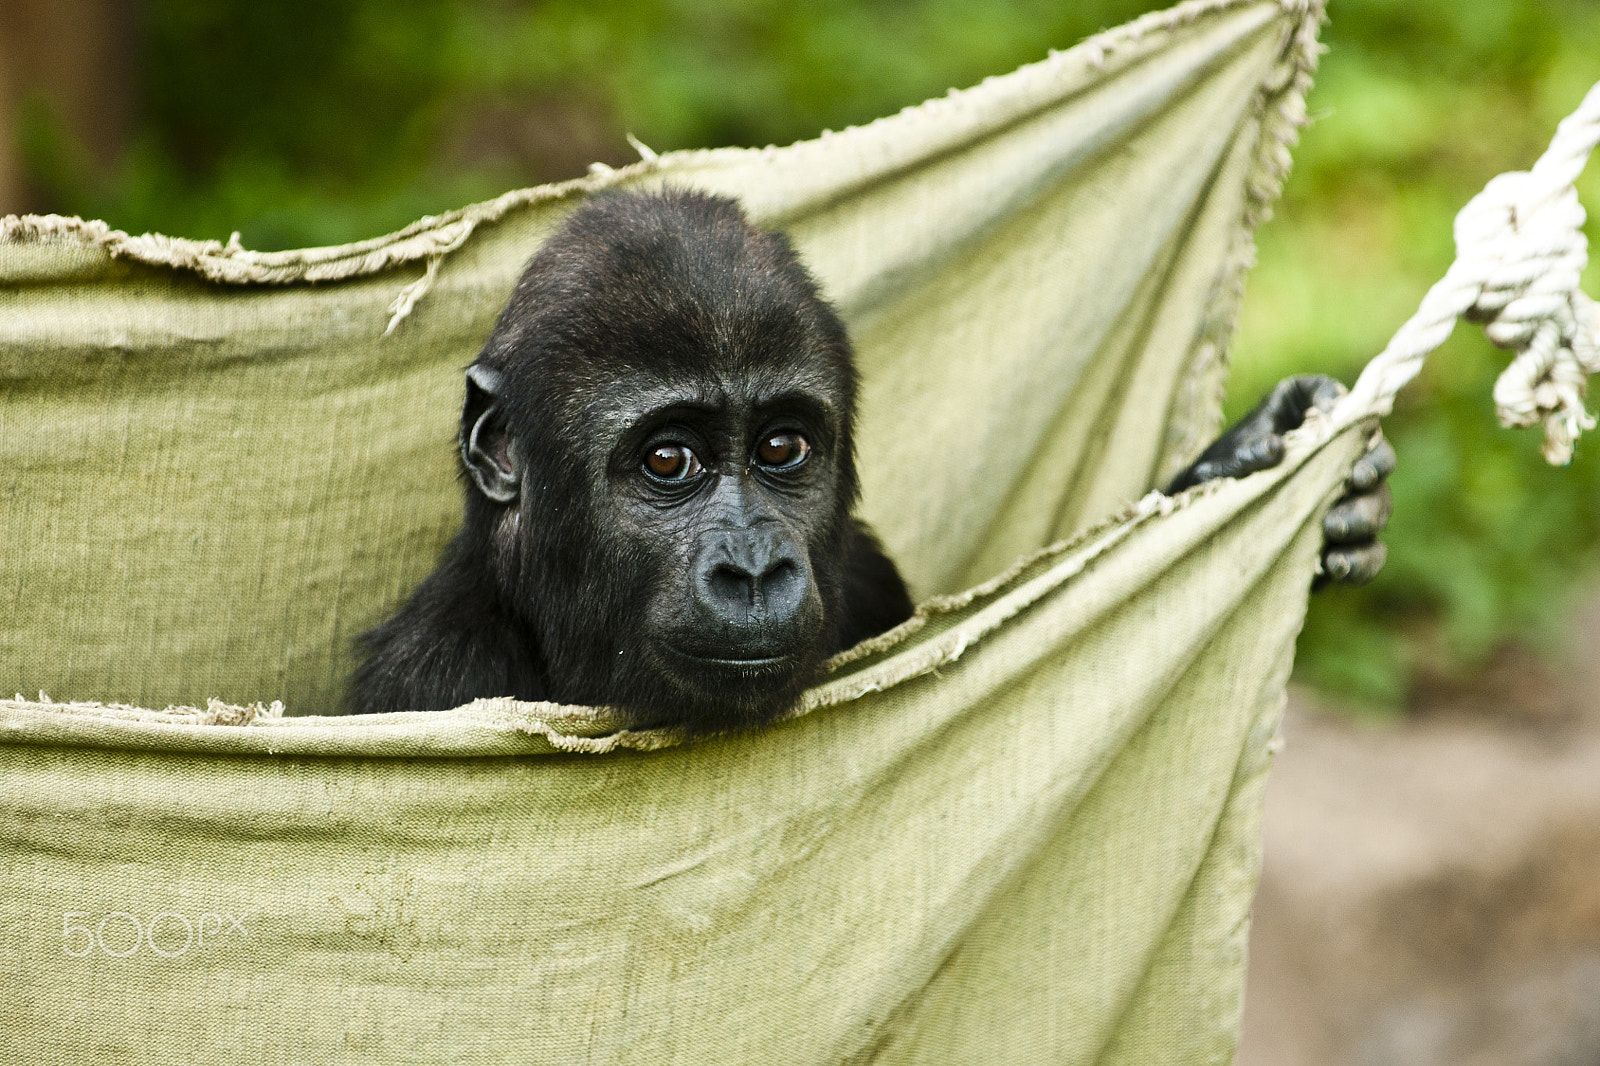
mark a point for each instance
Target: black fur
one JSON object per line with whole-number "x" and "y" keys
{"x": 648, "y": 321}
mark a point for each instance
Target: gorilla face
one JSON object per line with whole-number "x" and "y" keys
{"x": 725, "y": 498}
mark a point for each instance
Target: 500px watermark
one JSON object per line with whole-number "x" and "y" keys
{"x": 168, "y": 934}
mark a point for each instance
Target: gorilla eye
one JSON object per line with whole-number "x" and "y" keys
{"x": 672, "y": 462}
{"x": 783, "y": 450}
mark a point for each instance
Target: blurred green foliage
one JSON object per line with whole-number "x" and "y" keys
{"x": 314, "y": 121}
{"x": 319, "y": 121}
{"x": 1419, "y": 103}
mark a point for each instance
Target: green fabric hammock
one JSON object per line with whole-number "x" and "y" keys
{"x": 1021, "y": 828}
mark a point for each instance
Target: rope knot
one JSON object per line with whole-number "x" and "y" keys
{"x": 1520, "y": 252}
{"x": 1523, "y": 238}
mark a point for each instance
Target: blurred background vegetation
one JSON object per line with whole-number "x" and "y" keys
{"x": 302, "y": 122}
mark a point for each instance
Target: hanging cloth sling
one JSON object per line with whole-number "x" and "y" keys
{"x": 1021, "y": 828}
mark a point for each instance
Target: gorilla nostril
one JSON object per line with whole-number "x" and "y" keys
{"x": 780, "y": 583}
{"x": 730, "y": 584}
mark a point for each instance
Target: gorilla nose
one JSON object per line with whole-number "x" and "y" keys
{"x": 736, "y": 585}
{"x": 750, "y": 578}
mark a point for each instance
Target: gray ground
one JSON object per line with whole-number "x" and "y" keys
{"x": 1431, "y": 893}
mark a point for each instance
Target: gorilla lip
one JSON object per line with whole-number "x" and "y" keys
{"x": 761, "y": 664}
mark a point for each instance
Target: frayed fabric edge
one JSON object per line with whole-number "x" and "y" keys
{"x": 490, "y": 727}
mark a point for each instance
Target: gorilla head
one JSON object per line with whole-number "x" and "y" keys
{"x": 657, "y": 442}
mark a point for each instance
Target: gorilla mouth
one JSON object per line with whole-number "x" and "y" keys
{"x": 719, "y": 692}
{"x": 759, "y": 664}
{"x": 743, "y": 664}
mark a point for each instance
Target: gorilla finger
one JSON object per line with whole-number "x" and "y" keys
{"x": 1355, "y": 566}
{"x": 1325, "y": 392}
{"x": 1258, "y": 455}
{"x": 1359, "y": 516}
{"x": 1373, "y": 467}
{"x": 1250, "y": 457}
{"x": 1294, "y": 396}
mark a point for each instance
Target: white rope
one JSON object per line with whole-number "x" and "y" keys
{"x": 1520, "y": 253}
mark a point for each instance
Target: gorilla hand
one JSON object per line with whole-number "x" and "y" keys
{"x": 1352, "y": 553}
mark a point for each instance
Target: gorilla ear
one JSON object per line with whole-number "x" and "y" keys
{"x": 485, "y": 445}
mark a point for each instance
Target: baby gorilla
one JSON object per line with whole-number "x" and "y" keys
{"x": 658, "y": 440}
